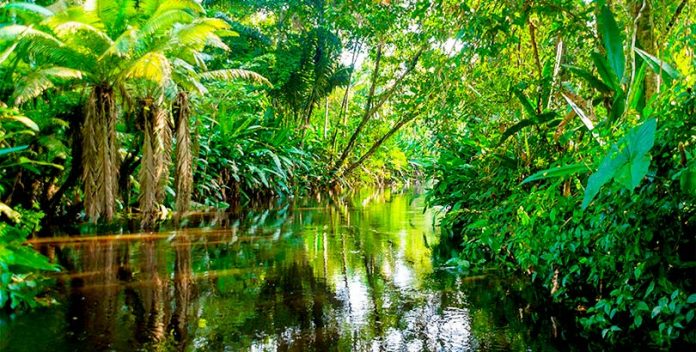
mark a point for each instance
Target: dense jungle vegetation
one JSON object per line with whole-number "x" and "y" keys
{"x": 557, "y": 137}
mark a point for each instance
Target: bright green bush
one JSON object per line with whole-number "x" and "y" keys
{"x": 21, "y": 282}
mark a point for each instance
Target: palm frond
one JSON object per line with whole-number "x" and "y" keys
{"x": 7, "y": 52}
{"x": 35, "y": 83}
{"x": 124, "y": 44}
{"x": 15, "y": 32}
{"x": 233, "y": 74}
{"x": 153, "y": 66}
{"x": 191, "y": 6}
{"x": 28, "y": 8}
{"x": 164, "y": 21}
{"x": 200, "y": 33}
{"x": 97, "y": 38}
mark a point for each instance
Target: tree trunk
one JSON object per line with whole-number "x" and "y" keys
{"x": 646, "y": 41}
{"x": 366, "y": 116}
{"x": 184, "y": 157}
{"x": 100, "y": 154}
{"x": 377, "y": 144}
{"x": 371, "y": 109}
{"x": 154, "y": 167}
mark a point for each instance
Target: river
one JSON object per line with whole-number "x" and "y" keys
{"x": 349, "y": 274}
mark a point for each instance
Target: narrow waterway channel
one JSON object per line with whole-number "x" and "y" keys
{"x": 319, "y": 275}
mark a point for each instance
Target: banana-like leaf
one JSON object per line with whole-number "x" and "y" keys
{"x": 605, "y": 72}
{"x": 618, "y": 106}
{"x": 558, "y": 171}
{"x": 543, "y": 118}
{"x": 658, "y": 65}
{"x": 636, "y": 100}
{"x": 595, "y": 82}
{"x": 613, "y": 43}
{"x": 526, "y": 104}
{"x": 578, "y": 111}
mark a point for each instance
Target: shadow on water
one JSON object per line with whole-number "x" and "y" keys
{"x": 352, "y": 273}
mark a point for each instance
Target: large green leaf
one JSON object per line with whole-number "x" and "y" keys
{"x": 605, "y": 72}
{"x": 595, "y": 82}
{"x": 613, "y": 43}
{"x": 627, "y": 161}
{"x": 637, "y": 99}
{"x": 558, "y": 171}
{"x": 526, "y": 104}
{"x": 540, "y": 119}
{"x": 659, "y": 66}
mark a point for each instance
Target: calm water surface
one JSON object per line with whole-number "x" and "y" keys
{"x": 352, "y": 274}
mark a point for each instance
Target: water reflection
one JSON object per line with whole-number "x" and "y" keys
{"x": 343, "y": 274}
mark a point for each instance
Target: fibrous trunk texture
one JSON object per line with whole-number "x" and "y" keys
{"x": 154, "y": 167}
{"x": 100, "y": 154}
{"x": 184, "y": 157}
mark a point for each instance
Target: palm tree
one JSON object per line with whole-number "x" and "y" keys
{"x": 174, "y": 74}
{"x": 118, "y": 52}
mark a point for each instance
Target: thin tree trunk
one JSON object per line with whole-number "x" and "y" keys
{"x": 532, "y": 34}
{"x": 371, "y": 109}
{"x": 366, "y": 115}
{"x": 344, "y": 102}
{"x": 377, "y": 144}
{"x": 326, "y": 118}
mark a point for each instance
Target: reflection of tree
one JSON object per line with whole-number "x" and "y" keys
{"x": 293, "y": 299}
{"x": 183, "y": 292}
{"x": 105, "y": 281}
{"x": 93, "y": 303}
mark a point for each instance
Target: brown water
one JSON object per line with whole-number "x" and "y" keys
{"x": 321, "y": 275}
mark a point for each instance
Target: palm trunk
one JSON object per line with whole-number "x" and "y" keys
{"x": 154, "y": 167}
{"x": 100, "y": 154}
{"x": 184, "y": 157}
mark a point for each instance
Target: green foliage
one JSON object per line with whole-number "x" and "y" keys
{"x": 20, "y": 265}
{"x": 629, "y": 166}
{"x": 613, "y": 43}
{"x": 20, "y": 282}
{"x": 614, "y": 246}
